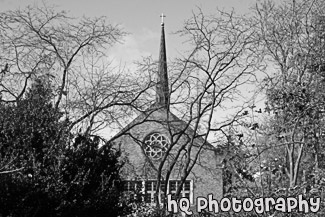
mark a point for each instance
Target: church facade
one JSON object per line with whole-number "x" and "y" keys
{"x": 158, "y": 145}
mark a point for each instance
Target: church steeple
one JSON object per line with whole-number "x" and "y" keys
{"x": 162, "y": 90}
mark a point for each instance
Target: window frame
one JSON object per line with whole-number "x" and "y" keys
{"x": 152, "y": 190}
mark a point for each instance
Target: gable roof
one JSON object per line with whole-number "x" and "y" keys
{"x": 169, "y": 120}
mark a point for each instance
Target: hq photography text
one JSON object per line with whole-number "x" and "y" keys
{"x": 259, "y": 205}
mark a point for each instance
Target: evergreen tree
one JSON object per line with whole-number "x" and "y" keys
{"x": 44, "y": 173}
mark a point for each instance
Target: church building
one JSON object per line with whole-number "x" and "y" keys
{"x": 160, "y": 146}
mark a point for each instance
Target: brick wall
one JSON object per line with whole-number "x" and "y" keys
{"x": 206, "y": 174}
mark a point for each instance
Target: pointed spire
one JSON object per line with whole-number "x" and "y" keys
{"x": 162, "y": 89}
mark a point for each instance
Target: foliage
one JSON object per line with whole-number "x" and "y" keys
{"x": 30, "y": 142}
{"x": 295, "y": 96}
{"x": 90, "y": 184}
{"x": 44, "y": 173}
{"x": 285, "y": 152}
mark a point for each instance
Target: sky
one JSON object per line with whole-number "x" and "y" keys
{"x": 141, "y": 19}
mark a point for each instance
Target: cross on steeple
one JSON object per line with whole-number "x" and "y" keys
{"x": 162, "y": 18}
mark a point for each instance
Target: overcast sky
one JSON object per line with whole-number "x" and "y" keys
{"x": 140, "y": 18}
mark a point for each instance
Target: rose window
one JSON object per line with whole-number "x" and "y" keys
{"x": 155, "y": 145}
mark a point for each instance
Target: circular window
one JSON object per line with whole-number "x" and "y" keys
{"x": 155, "y": 145}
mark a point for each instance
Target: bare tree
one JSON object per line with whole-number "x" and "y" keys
{"x": 72, "y": 54}
{"x": 206, "y": 80}
{"x": 211, "y": 78}
{"x": 289, "y": 39}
